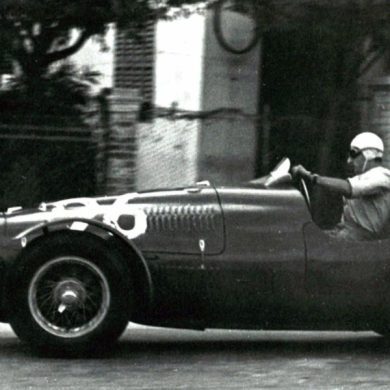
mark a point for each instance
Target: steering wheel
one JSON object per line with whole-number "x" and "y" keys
{"x": 305, "y": 192}
{"x": 302, "y": 187}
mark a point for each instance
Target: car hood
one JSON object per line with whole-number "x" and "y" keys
{"x": 173, "y": 221}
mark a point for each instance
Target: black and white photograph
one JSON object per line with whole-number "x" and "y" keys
{"x": 194, "y": 194}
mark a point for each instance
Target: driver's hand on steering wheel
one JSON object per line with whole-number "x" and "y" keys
{"x": 300, "y": 171}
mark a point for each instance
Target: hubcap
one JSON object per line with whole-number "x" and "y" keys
{"x": 69, "y": 296}
{"x": 70, "y": 292}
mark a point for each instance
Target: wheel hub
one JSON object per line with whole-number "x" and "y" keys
{"x": 70, "y": 292}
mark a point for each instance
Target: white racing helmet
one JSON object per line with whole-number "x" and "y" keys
{"x": 367, "y": 140}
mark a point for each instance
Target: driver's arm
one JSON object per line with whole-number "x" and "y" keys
{"x": 339, "y": 186}
{"x": 333, "y": 184}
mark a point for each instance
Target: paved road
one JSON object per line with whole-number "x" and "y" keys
{"x": 150, "y": 358}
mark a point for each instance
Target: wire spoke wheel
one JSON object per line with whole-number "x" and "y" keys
{"x": 70, "y": 293}
{"x": 69, "y": 296}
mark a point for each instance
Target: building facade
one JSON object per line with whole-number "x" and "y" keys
{"x": 227, "y": 117}
{"x": 218, "y": 90}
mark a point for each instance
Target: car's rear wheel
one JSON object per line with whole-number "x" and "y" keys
{"x": 70, "y": 295}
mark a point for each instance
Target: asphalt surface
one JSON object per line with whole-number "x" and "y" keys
{"x": 151, "y": 358}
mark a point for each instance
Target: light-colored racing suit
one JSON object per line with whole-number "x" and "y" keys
{"x": 366, "y": 214}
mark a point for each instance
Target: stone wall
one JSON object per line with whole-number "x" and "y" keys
{"x": 167, "y": 153}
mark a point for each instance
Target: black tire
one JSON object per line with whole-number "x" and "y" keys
{"x": 70, "y": 295}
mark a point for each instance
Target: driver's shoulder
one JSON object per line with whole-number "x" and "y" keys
{"x": 380, "y": 168}
{"x": 378, "y": 171}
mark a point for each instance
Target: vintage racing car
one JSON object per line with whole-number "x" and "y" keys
{"x": 75, "y": 272}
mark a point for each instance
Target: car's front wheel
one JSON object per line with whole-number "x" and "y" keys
{"x": 69, "y": 295}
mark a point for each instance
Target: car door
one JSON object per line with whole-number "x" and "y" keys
{"x": 259, "y": 279}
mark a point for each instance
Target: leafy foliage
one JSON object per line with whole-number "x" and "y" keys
{"x": 59, "y": 97}
{"x": 39, "y": 33}
{"x": 352, "y": 34}
{"x": 34, "y": 169}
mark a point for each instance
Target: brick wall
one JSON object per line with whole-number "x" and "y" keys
{"x": 116, "y": 135}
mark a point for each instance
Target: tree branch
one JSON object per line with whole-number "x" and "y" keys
{"x": 46, "y": 38}
{"x": 60, "y": 54}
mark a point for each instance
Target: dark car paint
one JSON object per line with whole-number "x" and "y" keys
{"x": 264, "y": 263}
{"x": 350, "y": 279}
{"x": 278, "y": 271}
{"x": 177, "y": 219}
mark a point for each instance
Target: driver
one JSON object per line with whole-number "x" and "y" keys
{"x": 366, "y": 193}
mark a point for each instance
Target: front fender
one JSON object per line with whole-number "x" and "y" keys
{"x": 132, "y": 255}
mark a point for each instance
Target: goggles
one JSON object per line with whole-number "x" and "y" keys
{"x": 353, "y": 153}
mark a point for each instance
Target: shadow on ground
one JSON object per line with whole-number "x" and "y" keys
{"x": 255, "y": 342}
{"x": 155, "y": 342}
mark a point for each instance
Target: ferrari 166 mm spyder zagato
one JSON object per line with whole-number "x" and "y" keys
{"x": 75, "y": 272}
